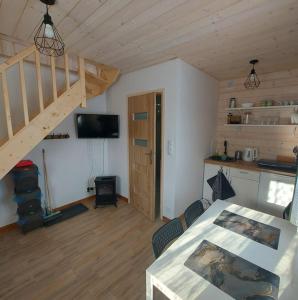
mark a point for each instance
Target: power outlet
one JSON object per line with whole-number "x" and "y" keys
{"x": 89, "y": 189}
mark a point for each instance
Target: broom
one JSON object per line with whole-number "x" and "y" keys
{"x": 50, "y": 214}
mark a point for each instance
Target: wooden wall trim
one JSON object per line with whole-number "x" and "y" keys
{"x": 120, "y": 197}
{"x": 83, "y": 201}
{"x": 165, "y": 219}
{"x": 8, "y": 228}
{"x": 14, "y": 226}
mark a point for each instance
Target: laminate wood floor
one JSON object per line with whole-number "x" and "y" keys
{"x": 101, "y": 254}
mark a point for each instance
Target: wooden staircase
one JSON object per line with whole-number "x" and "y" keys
{"x": 92, "y": 80}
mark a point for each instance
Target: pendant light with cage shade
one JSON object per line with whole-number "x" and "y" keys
{"x": 47, "y": 38}
{"x": 252, "y": 81}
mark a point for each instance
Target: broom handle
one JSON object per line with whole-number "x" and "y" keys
{"x": 47, "y": 191}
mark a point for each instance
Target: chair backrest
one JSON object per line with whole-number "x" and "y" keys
{"x": 165, "y": 234}
{"x": 287, "y": 210}
{"x": 193, "y": 212}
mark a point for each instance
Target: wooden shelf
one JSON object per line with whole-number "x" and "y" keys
{"x": 59, "y": 136}
{"x": 260, "y": 125}
{"x": 263, "y": 108}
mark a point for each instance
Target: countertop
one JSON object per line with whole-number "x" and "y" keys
{"x": 249, "y": 166}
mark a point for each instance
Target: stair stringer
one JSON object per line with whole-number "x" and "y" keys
{"x": 97, "y": 84}
{"x": 27, "y": 138}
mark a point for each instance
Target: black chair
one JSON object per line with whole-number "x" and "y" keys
{"x": 286, "y": 212}
{"x": 193, "y": 212}
{"x": 165, "y": 234}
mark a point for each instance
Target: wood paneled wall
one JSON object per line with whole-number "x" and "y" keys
{"x": 270, "y": 141}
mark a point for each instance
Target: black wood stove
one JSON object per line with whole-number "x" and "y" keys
{"x": 105, "y": 191}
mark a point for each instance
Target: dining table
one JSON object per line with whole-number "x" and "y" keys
{"x": 229, "y": 252}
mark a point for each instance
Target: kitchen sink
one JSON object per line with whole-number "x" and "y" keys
{"x": 222, "y": 158}
{"x": 277, "y": 165}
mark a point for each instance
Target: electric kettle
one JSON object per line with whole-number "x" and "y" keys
{"x": 250, "y": 154}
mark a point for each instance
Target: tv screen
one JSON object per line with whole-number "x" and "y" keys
{"x": 97, "y": 126}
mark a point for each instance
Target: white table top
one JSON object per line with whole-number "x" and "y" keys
{"x": 176, "y": 281}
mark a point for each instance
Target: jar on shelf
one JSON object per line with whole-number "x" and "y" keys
{"x": 229, "y": 116}
{"x": 232, "y": 103}
{"x": 247, "y": 118}
{"x": 235, "y": 119}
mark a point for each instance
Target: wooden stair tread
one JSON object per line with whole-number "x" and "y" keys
{"x": 94, "y": 78}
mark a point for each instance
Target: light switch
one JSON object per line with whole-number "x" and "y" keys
{"x": 170, "y": 147}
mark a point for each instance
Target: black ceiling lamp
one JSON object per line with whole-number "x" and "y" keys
{"x": 47, "y": 39}
{"x": 252, "y": 81}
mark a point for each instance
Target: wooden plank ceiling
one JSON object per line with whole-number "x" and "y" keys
{"x": 216, "y": 36}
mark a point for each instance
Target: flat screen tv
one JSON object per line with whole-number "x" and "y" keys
{"x": 97, "y": 126}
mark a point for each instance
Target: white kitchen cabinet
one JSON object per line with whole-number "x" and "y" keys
{"x": 263, "y": 191}
{"x": 210, "y": 171}
{"x": 275, "y": 193}
{"x": 245, "y": 184}
{"x": 245, "y": 174}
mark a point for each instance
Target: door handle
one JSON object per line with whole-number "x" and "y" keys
{"x": 243, "y": 172}
{"x": 150, "y": 154}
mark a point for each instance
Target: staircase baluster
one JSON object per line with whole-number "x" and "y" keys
{"x": 6, "y": 105}
{"x": 39, "y": 80}
{"x": 98, "y": 71}
{"x": 66, "y": 66}
{"x": 83, "y": 80}
{"x": 54, "y": 82}
{"x": 24, "y": 92}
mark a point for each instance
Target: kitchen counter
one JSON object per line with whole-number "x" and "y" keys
{"x": 249, "y": 166}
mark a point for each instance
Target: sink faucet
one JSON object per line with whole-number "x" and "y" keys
{"x": 226, "y": 146}
{"x": 295, "y": 151}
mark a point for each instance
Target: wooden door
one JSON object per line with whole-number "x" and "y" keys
{"x": 141, "y": 122}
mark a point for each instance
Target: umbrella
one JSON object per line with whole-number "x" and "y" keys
{"x": 221, "y": 187}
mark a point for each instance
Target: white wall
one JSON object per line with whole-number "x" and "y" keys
{"x": 189, "y": 114}
{"x": 195, "y": 132}
{"x": 70, "y": 162}
{"x": 162, "y": 76}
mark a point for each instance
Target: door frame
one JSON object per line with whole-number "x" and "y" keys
{"x": 162, "y": 167}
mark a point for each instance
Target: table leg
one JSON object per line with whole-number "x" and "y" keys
{"x": 149, "y": 287}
